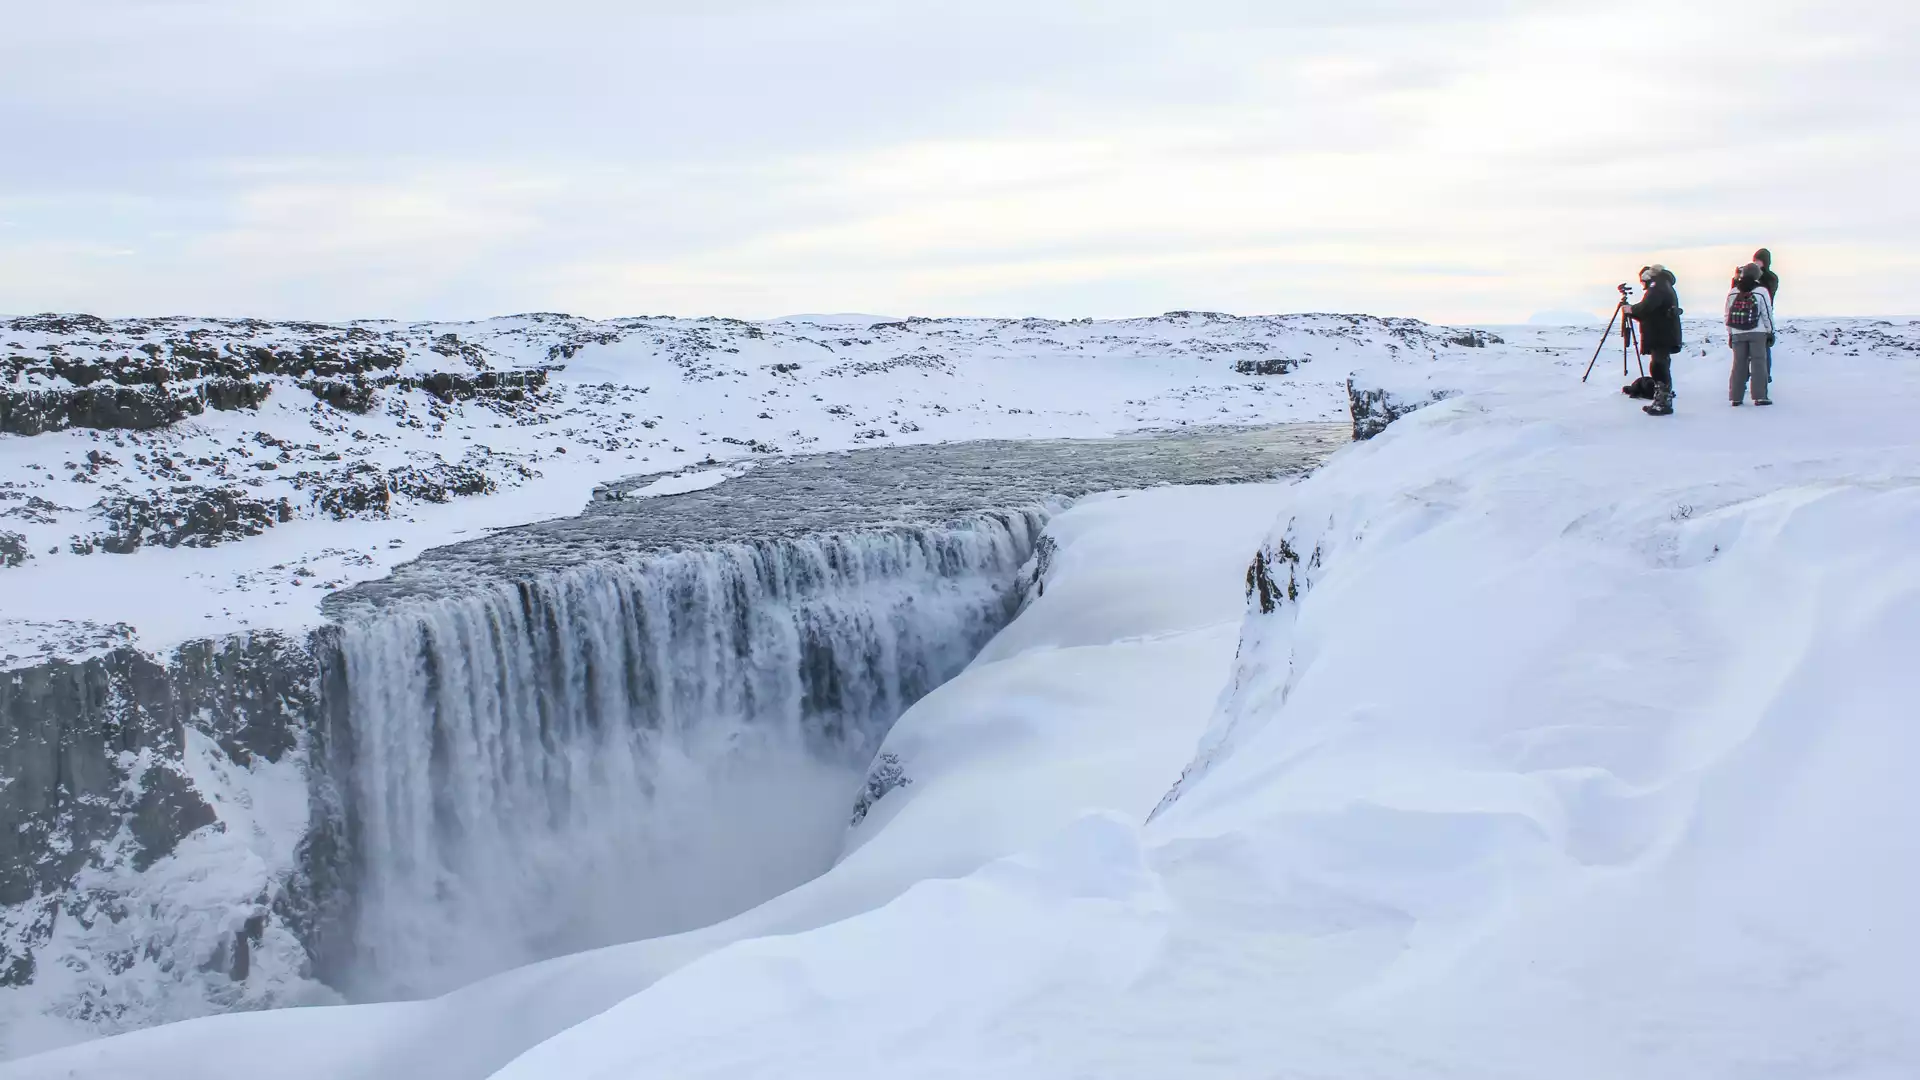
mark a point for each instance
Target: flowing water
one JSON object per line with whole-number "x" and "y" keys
{"x": 659, "y": 713}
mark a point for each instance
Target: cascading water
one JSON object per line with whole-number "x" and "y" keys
{"x": 620, "y": 750}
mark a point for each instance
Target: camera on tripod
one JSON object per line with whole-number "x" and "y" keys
{"x": 1623, "y": 313}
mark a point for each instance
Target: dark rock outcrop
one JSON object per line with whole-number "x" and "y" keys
{"x": 883, "y": 776}
{"x": 1373, "y": 408}
{"x": 13, "y": 549}
{"x": 156, "y": 351}
{"x": 1265, "y": 592}
{"x": 185, "y": 517}
{"x": 140, "y": 374}
{"x": 1273, "y": 365}
{"x": 137, "y": 408}
{"x": 347, "y": 395}
{"x": 94, "y": 753}
{"x": 229, "y": 394}
{"x": 318, "y": 902}
{"x": 452, "y": 386}
{"x": 360, "y": 395}
{"x": 440, "y": 482}
{"x": 361, "y": 490}
{"x": 365, "y": 490}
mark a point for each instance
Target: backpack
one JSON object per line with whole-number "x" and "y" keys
{"x": 1744, "y": 313}
{"x": 1641, "y": 387}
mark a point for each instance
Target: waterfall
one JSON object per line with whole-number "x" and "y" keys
{"x": 626, "y": 749}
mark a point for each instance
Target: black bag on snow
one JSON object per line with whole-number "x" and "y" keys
{"x": 1641, "y": 387}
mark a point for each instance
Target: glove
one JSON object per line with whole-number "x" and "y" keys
{"x": 1769, "y": 341}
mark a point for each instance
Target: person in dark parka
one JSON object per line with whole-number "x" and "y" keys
{"x": 1658, "y": 314}
{"x": 1769, "y": 281}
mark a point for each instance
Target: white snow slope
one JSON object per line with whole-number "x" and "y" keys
{"x": 1576, "y": 744}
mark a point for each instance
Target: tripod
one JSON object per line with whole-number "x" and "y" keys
{"x": 1627, "y": 348}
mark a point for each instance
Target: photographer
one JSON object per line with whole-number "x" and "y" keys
{"x": 1658, "y": 314}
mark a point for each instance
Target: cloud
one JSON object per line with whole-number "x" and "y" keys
{"x": 1470, "y": 161}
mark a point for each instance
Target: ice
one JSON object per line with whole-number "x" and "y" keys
{"x": 682, "y": 483}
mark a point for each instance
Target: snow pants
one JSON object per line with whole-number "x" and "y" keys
{"x": 1660, "y": 366}
{"x": 1749, "y": 366}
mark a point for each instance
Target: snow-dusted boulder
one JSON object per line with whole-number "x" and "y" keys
{"x": 1373, "y": 406}
{"x": 13, "y": 549}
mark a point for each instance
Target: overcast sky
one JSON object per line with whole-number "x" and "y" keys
{"x": 1472, "y": 161}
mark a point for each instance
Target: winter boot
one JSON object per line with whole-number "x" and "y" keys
{"x": 1662, "y": 401}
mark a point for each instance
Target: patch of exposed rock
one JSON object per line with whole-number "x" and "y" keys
{"x": 365, "y": 490}
{"x": 184, "y": 517}
{"x": 1273, "y": 365}
{"x": 137, "y": 408}
{"x": 13, "y": 549}
{"x": 1373, "y": 408}
{"x": 99, "y": 790}
{"x": 360, "y": 395}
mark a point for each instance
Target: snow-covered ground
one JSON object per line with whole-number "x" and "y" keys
{"x": 365, "y": 490}
{"x": 1565, "y": 742}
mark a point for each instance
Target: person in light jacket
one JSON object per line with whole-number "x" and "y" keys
{"x": 1749, "y": 317}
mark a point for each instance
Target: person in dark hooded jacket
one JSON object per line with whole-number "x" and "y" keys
{"x": 1658, "y": 314}
{"x": 1769, "y": 281}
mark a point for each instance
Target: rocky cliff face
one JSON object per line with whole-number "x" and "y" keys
{"x": 1374, "y": 407}
{"x": 128, "y": 774}
{"x": 141, "y": 408}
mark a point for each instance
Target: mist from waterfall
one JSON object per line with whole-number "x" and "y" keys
{"x": 623, "y": 750}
